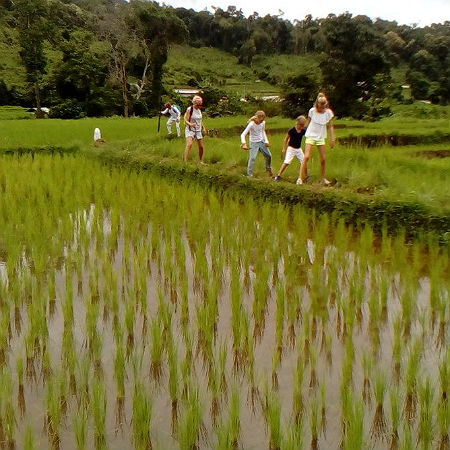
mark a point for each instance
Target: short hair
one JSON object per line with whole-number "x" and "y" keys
{"x": 301, "y": 119}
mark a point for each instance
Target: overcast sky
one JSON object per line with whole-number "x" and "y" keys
{"x": 420, "y": 12}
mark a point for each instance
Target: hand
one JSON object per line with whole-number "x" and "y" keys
{"x": 244, "y": 146}
{"x": 332, "y": 142}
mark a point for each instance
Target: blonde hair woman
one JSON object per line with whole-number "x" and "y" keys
{"x": 320, "y": 119}
{"x": 194, "y": 128}
{"x": 258, "y": 142}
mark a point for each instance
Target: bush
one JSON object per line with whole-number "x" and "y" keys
{"x": 70, "y": 109}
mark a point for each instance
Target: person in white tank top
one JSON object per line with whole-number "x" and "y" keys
{"x": 194, "y": 128}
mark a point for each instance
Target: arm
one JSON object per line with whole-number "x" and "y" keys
{"x": 244, "y": 134}
{"x": 266, "y": 139}
{"x": 186, "y": 115}
{"x": 330, "y": 127}
{"x": 285, "y": 143}
{"x": 165, "y": 111}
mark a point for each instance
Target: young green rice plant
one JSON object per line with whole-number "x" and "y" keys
{"x": 281, "y": 300}
{"x": 28, "y": 439}
{"x": 444, "y": 312}
{"x": 412, "y": 372}
{"x": 314, "y": 423}
{"x": 98, "y": 406}
{"x": 407, "y": 438}
{"x": 235, "y": 418}
{"x": 378, "y": 430}
{"x": 20, "y": 392}
{"x": 323, "y": 407}
{"x": 120, "y": 375}
{"x": 156, "y": 350}
{"x": 313, "y": 381}
{"x": 276, "y": 362}
{"x": 297, "y": 400}
{"x": 293, "y": 437}
{"x": 54, "y": 413}
{"x": 142, "y": 416}
{"x": 223, "y": 356}
{"x": 80, "y": 428}
{"x": 8, "y": 421}
{"x": 427, "y": 412}
{"x": 443, "y": 421}
{"x": 367, "y": 364}
{"x": 354, "y": 436}
{"x": 395, "y": 401}
{"x": 397, "y": 349}
{"x": 444, "y": 377}
{"x": 174, "y": 388}
{"x": 190, "y": 425}
{"x": 274, "y": 420}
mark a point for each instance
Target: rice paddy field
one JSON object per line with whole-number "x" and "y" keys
{"x": 142, "y": 312}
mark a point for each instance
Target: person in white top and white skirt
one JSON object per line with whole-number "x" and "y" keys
{"x": 174, "y": 116}
{"x": 320, "y": 119}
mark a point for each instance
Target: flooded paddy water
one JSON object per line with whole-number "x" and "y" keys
{"x": 141, "y": 313}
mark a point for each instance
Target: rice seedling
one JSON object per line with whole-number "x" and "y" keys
{"x": 367, "y": 364}
{"x": 426, "y": 422}
{"x": 378, "y": 429}
{"x": 20, "y": 392}
{"x": 394, "y": 397}
{"x": 443, "y": 421}
{"x": 354, "y": 436}
{"x": 142, "y": 416}
{"x": 28, "y": 439}
{"x": 190, "y": 424}
{"x": 397, "y": 348}
{"x": 98, "y": 406}
{"x": 412, "y": 371}
{"x": 156, "y": 350}
{"x": 80, "y": 426}
{"x": 314, "y": 423}
{"x": 274, "y": 420}
{"x": 120, "y": 376}
{"x": 54, "y": 414}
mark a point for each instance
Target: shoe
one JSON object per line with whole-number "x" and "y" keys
{"x": 270, "y": 172}
{"x": 299, "y": 181}
{"x": 277, "y": 178}
{"x": 325, "y": 182}
{"x": 202, "y": 163}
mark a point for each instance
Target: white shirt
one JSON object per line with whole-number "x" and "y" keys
{"x": 257, "y": 132}
{"x": 174, "y": 113}
{"x": 317, "y": 128}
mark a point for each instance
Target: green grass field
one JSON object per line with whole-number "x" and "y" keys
{"x": 414, "y": 173}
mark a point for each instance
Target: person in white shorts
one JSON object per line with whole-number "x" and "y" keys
{"x": 194, "y": 128}
{"x": 292, "y": 145}
{"x": 320, "y": 120}
{"x": 174, "y": 116}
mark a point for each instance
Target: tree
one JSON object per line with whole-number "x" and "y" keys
{"x": 299, "y": 92}
{"x": 156, "y": 28}
{"x": 354, "y": 57}
{"x": 31, "y": 18}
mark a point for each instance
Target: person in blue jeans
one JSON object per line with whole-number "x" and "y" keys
{"x": 258, "y": 142}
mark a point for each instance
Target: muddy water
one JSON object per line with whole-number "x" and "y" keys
{"x": 254, "y": 433}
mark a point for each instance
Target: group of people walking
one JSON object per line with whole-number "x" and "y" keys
{"x": 314, "y": 128}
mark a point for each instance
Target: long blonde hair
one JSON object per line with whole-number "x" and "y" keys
{"x": 261, "y": 115}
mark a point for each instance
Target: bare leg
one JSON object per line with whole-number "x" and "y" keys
{"x": 283, "y": 168}
{"x": 322, "y": 160}
{"x": 187, "y": 152}
{"x": 200, "y": 149}
{"x": 304, "y": 166}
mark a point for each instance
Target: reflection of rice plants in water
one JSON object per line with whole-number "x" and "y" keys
{"x": 136, "y": 312}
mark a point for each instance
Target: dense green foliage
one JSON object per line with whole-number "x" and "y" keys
{"x": 113, "y": 57}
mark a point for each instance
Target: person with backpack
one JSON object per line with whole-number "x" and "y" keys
{"x": 174, "y": 116}
{"x": 194, "y": 128}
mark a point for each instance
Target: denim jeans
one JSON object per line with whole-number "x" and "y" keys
{"x": 256, "y": 147}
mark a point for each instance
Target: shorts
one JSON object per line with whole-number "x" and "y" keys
{"x": 195, "y": 134}
{"x": 313, "y": 141}
{"x": 291, "y": 153}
